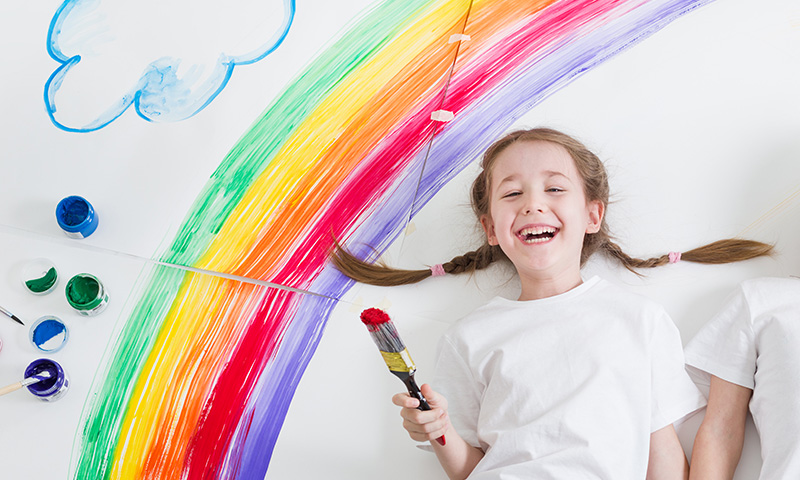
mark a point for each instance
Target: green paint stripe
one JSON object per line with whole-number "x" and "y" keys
{"x": 247, "y": 159}
{"x": 104, "y": 416}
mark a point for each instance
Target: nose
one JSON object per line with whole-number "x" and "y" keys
{"x": 534, "y": 204}
{"x": 529, "y": 210}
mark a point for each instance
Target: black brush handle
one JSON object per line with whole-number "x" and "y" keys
{"x": 414, "y": 391}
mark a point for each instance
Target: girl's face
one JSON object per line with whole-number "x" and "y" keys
{"x": 538, "y": 212}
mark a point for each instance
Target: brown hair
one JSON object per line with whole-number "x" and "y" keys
{"x": 595, "y": 185}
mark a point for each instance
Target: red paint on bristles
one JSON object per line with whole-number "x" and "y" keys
{"x": 374, "y": 316}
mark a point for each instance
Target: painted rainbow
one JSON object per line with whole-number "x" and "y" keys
{"x": 201, "y": 375}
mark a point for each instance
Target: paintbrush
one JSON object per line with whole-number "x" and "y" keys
{"x": 41, "y": 376}
{"x": 11, "y": 316}
{"x": 394, "y": 353}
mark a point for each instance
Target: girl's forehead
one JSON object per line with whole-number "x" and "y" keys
{"x": 534, "y": 156}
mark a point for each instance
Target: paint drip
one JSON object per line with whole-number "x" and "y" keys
{"x": 39, "y": 276}
{"x": 49, "y": 389}
{"x": 76, "y": 216}
{"x": 86, "y": 294}
{"x": 49, "y": 334}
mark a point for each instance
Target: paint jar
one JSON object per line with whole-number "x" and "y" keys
{"x": 39, "y": 276}
{"x": 51, "y": 389}
{"x": 86, "y": 294}
{"x": 49, "y": 334}
{"x": 76, "y": 217}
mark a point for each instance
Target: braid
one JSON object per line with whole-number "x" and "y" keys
{"x": 722, "y": 251}
{"x": 475, "y": 260}
{"x": 615, "y": 251}
{"x": 383, "y": 275}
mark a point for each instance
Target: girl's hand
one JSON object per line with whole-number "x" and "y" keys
{"x": 423, "y": 425}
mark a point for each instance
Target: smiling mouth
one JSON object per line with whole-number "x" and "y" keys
{"x": 537, "y": 234}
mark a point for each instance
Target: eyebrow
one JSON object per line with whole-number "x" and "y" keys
{"x": 548, "y": 174}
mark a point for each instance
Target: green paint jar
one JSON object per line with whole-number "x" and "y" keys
{"x": 86, "y": 294}
{"x": 39, "y": 276}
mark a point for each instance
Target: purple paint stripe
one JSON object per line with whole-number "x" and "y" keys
{"x": 453, "y": 149}
{"x": 254, "y": 441}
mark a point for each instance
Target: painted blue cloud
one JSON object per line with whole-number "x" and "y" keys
{"x": 169, "y": 61}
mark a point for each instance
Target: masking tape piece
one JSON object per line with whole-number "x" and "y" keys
{"x": 442, "y": 116}
{"x": 458, "y": 37}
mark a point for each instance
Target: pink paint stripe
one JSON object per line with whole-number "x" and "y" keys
{"x": 224, "y": 407}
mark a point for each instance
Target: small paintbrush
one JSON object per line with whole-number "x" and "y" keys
{"x": 394, "y": 353}
{"x": 41, "y": 376}
{"x": 11, "y": 315}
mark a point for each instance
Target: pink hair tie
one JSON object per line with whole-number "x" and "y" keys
{"x": 438, "y": 270}
{"x": 674, "y": 257}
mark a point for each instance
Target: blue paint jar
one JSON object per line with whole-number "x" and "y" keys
{"x": 51, "y": 389}
{"x": 76, "y": 217}
{"x": 49, "y": 334}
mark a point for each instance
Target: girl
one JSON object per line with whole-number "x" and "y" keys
{"x": 748, "y": 351}
{"x": 574, "y": 379}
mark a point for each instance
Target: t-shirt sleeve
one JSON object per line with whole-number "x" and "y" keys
{"x": 725, "y": 347}
{"x": 674, "y": 395}
{"x": 454, "y": 380}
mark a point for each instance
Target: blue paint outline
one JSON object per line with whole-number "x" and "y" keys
{"x": 133, "y": 97}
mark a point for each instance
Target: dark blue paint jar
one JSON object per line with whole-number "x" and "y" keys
{"x": 76, "y": 217}
{"x": 51, "y": 389}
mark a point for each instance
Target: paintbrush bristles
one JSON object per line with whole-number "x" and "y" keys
{"x": 382, "y": 330}
{"x": 374, "y": 316}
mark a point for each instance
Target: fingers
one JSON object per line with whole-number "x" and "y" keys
{"x": 405, "y": 400}
{"x": 423, "y": 425}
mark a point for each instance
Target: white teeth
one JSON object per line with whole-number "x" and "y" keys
{"x": 537, "y": 230}
{"x": 538, "y": 234}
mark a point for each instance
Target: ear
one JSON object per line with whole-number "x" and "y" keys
{"x": 488, "y": 227}
{"x": 596, "y": 212}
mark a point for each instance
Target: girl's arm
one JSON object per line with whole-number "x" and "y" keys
{"x": 458, "y": 458}
{"x": 718, "y": 444}
{"x": 667, "y": 459}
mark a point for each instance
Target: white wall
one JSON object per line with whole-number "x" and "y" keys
{"x": 698, "y": 126}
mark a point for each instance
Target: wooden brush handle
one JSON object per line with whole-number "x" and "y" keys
{"x": 10, "y": 388}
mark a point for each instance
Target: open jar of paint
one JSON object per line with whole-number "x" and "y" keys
{"x": 86, "y": 294}
{"x": 76, "y": 216}
{"x": 52, "y": 388}
{"x": 39, "y": 276}
{"x": 49, "y": 334}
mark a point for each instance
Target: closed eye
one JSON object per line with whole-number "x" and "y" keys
{"x": 512, "y": 194}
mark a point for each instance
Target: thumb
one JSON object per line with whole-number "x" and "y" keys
{"x": 435, "y": 400}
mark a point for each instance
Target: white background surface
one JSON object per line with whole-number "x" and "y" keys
{"x": 699, "y": 126}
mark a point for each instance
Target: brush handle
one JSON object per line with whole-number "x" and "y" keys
{"x": 24, "y": 383}
{"x": 415, "y": 392}
{"x": 11, "y": 388}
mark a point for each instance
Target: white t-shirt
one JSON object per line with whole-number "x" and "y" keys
{"x": 569, "y": 386}
{"x": 754, "y": 341}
